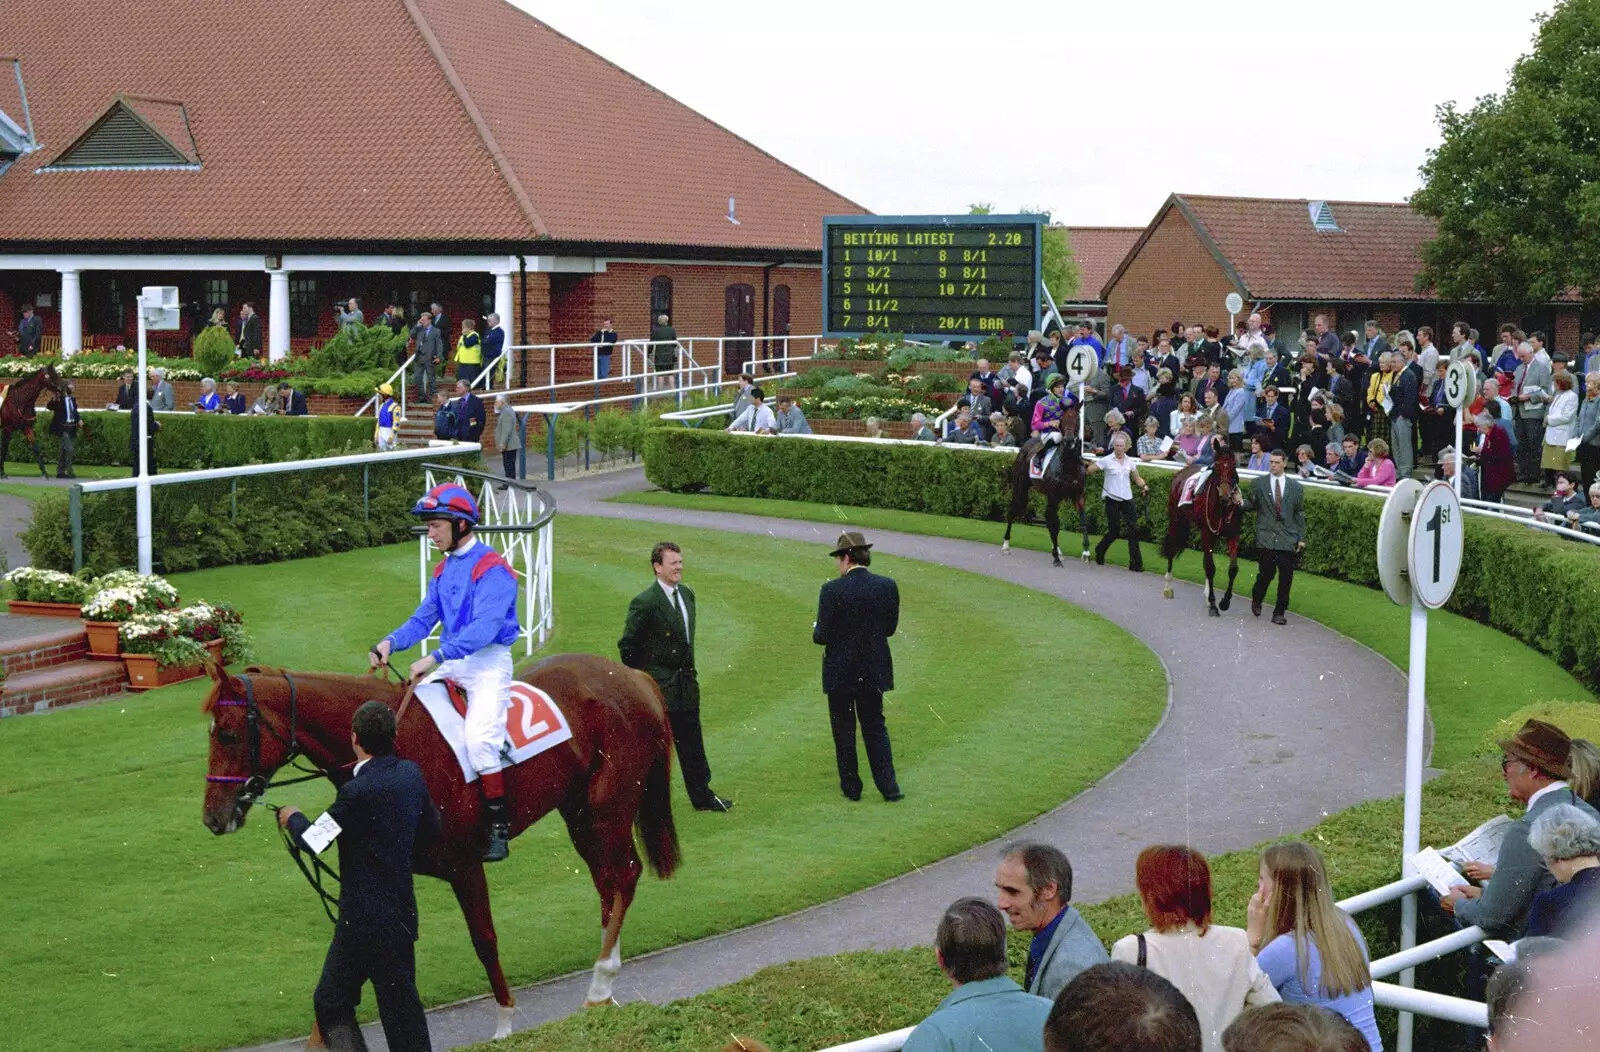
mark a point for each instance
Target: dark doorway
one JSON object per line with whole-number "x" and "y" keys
{"x": 738, "y": 320}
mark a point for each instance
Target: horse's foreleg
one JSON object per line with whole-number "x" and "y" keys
{"x": 1211, "y": 573}
{"x": 609, "y": 964}
{"x": 38, "y": 454}
{"x": 5, "y": 449}
{"x": 1052, "y": 520}
{"x": 1083, "y": 529}
{"x": 1166, "y": 591}
{"x": 472, "y": 892}
{"x": 1233, "y": 571}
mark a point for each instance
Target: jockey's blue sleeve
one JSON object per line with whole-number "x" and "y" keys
{"x": 417, "y": 627}
{"x": 494, "y": 606}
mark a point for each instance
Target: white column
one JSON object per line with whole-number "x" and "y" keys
{"x": 504, "y": 303}
{"x": 71, "y": 312}
{"x": 277, "y": 315}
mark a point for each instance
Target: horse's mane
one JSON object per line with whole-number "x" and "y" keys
{"x": 371, "y": 686}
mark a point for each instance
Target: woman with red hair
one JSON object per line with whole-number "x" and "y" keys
{"x": 1210, "y": 963}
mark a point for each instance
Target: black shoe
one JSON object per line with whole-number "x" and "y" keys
{"x": 499, "y": 848}
{"x": 1137, "y": 569}
{"x": 1255, "y": 607}
{"x": 854, "y": 798}
{"x": 713, "y": 803}
{"x": 894, "y": 797}
{"x": 1278, "y": 618}
{"x": 1099, "y": 557}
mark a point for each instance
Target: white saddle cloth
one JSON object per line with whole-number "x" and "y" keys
{"x": 534, "y": 724}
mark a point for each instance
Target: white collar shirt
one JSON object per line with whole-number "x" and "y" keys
{"x": 1118, "y": 474}
{"x": 672, "y": 601}
{"x": 357, "y": 768}
{"x": 1546, "y": 791}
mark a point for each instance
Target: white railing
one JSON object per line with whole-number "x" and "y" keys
{"x": 398, "y": 374}
{"x": 484, "y": 379}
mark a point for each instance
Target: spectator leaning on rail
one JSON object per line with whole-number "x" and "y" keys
{"x": 791, "y": 421}
{"x": 1033, "y": 885}
{"x": 1568, "y": 839}
{"x": 920, "y": 431}
{"x": 987, "y": 1010}
{"x": 1564, "y": 504}
{"x": 756, "y": 416}
{"x": 1117, "y": 1007}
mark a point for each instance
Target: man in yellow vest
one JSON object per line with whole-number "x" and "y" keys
{"x": 469, "y": 352}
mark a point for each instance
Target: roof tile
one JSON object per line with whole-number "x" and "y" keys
{"x": 1098, "y": 250}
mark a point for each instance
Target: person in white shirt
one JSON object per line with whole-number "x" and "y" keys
{"x": 1253, "y": 337}
{"x": 1427, "y": 353}
{"x": 756, "y": 416}
{"x": 1121, "y": 472}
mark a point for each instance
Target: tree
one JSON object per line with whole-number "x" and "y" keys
{"x": 1515, "y": 185}
{"x": 1060, "y": 269}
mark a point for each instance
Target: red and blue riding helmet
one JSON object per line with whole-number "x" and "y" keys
{"x": 448, "y": 501}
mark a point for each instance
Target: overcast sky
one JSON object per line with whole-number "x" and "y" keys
{"x": 1094, "y": 111}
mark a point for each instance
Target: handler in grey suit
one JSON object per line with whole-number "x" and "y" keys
{"x": 1034, "y": 886}
{"x": 1279, "y": 504}
{"x": 1532, "y": 388}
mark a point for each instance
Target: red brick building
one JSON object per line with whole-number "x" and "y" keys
{"x": 1097, "y": 250}
{"x": 1292, "y": 260}
{"x": 294, "y": 153}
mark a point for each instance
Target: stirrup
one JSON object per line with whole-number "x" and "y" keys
{"x": 499, "y": 848}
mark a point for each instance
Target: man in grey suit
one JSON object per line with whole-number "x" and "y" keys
{"x": 791, "y": 421}
{"x": 429, "y": 354}
{"x": 1531, "y": 391}
{"x": 30, "y": 332}
{"x": 162, "y": 398}
{"x": 1034, "y": 888}
{"x": 1279, "y": 504}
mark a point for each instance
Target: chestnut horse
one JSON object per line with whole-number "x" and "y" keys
{"x": 1064, "y": 480}
{"x": 611, "y": 778}
{"x": 17, "y": 412}
{"x": 1214, "y": 513}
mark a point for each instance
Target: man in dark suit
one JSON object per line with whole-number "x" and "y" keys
{"x": 65, "y": 422}
{"x": 1279, "y": 504}
{"x": 127, "y": 393}
{"x": 382, "y": 813}
{"x": 494, "y": 341}
{"x": 441, "y": 323}
{"x": 152, "y": 425}
{"x": 292, "y": 401}
{"x": 856, "y": 614}
{"x": 1272, "y": 425}
{"x": 1126, "y": 397}
{"x": 658, "y": 640}
{"x": 249, "y": 339}
{"x": 470, "y": 416}
{"x": 605, "y": 341}
{"x": 30, "y": 332}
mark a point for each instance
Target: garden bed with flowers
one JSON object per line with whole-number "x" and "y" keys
{"x": 840, "y": 393}
{"x": 46, "y": 593}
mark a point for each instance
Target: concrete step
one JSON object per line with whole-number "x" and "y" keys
{"x": 53, "y": 686}
{"x": 40, "y": 642}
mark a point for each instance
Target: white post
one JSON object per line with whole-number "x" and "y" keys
{"x": 1081, "y": 414}
{"x": 141, "y": 493}
{"x": 1411, "y": 824}
{"x": 504, "y": 306}
{"x": 71, "y": 313}
{"x": 277, "y": 315}
{"x": 1455, "y": 483}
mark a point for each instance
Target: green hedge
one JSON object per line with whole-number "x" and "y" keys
{"x": 268, "y": 518}
{"x": 205, "y": 440}
{"x": 1533, "y": 586}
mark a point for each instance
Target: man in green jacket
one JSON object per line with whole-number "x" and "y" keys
{"x": 1279, "y": 504}
{"x": 658, "y": 639}
{"x": 987, "y": 1010}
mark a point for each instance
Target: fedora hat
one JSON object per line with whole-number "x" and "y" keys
{"x": 849, "y": 540}
{"x": 1542, "y": 746}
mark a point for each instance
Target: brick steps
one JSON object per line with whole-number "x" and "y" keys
{"x": 53, "y": 686}
{"x": 46, "y": 647}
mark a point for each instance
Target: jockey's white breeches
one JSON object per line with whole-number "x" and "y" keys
{"x": 486, "y": 677}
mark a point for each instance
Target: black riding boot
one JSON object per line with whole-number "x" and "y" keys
{"x": 499, "y": 830}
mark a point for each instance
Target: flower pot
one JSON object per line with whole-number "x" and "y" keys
{"x": 145, "y": 674}
{"x": 20, "y": 606}
{"x": 104, "y": 643}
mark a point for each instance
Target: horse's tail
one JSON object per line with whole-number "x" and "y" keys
{"x": 1177, "y": 538}
{"x": 654, "y": 821}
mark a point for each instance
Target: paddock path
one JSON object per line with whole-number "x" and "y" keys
{"x": 1268, "y": 729}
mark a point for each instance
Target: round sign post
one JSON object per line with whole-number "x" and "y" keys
{"x": 1460, "y": 390}
{"x": 1081, "y": 361}
{"x": 1234, "y": 303}
{"x": 1419, "y": 559}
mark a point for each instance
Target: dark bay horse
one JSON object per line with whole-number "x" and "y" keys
{"x": 610, "y": 779}
{"x": 1064, "y": 480}
{"x": 17, "y": 412}
{"x": 1214, "y": 512}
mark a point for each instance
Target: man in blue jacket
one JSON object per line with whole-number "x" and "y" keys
{"x": 381, "y": 814}
{"x": 987, "y": 1010}
{"x": 473, "y": 600}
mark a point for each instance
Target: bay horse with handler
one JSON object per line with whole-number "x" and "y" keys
{"x": 1061, "y": 476}
{"x": 18, "y": 411}
{"x": 1210, "y": 506}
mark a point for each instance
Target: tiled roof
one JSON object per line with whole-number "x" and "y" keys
{"x": 434, "y": 120}
{"x": 1098, "y": 250}
{"x": 1275, "y": 252}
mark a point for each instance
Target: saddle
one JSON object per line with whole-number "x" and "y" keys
{"x": 1193, "y": 485}
{"x": 534, "y": 722}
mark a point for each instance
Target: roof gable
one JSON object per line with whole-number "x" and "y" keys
{"x": 128, "y": 135}
{"x": 1098, "y": 250}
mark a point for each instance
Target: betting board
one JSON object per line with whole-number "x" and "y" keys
{"x": 932, "y": 277}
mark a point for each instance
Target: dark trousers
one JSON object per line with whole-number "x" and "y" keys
{"x": 388, "y": 959}
{"x": 69, "y": 443}
{"x": 508, "y": 460}
{"x": 602, "y": 366}
{"x": 1530, "y": 445}
{"x": 467, "y": 372}
{"x": 1272, "y": 562}
{"x": 1122, "y": 517}
{"x": 422, "y": 373}
{"x": 1588, "y": 465}
{"x": 691, "y": 753}
{"x": 844, "y": 710}
{"x": 133, "y": 455}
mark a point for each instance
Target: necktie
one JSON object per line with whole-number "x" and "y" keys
{"x": 678, "y": 606}
{"x": 1277, "y": 496}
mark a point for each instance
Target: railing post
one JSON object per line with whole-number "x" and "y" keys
{"x": 366, "y": 491}
{"x": 75, "y": 517}
{"x": 233, "y": 500}
{"x": 550, "y": 446}
{"x": 522, "y": 452}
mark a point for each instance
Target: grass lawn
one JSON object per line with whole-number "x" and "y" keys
{"x": 25, "y": 482}
{"x": 160, "y": 936}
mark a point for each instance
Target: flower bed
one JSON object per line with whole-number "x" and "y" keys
{"x": 117, "y": 597}
{"x": 46, "y": 593}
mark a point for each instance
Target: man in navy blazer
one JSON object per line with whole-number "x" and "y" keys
{"x": 383, "y": 812}
{"x": 494, "y": 339}
{"x": 857, "y": 612}
{"x": 470, "y": 417}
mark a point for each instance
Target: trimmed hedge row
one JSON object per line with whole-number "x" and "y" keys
{"x": 270, "y": 518}
{"x": 205, "y": 440}
{"x": 1531, "y": 585}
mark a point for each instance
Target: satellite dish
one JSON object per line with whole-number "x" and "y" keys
{"x": 1234, "y": 303}
{"x": 1394, "y": 540}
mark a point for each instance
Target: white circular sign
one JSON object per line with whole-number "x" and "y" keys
{"x": 1460, "y": 384}
{"x": 1393, "y": 540}
{"x": 1081, "y": 362}
{"x": 1435, "y": 547}
{"x": 1234, "y": 303}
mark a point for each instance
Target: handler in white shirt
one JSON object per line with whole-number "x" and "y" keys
{"x": 1121, "y": 471}
{"x": 756, "y": 416}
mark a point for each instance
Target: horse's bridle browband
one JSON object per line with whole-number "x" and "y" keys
{"x": 256, "y": 783}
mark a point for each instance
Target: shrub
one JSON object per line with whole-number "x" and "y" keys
{"x": 205, "y": 440}
{"x": 904, "y": 356}
{"x": 1531, "y": 585}
{"x": 812, "y": 379}
{"x": 886, "y": 406}
{"x": 354, "y": 350}
{"x": 213, "y": 351}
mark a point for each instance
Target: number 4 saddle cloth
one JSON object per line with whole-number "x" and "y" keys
{"x": 534, "y": 722}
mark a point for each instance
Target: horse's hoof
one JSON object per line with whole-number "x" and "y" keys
{"x": 1055, "y": 560}
{"x": 610, "y": 1002}
{"x": 1226, "y": 602}
{"x": 1213, "y": 611}
{"x": 1166, "y": 593}
{"x": 1005, "y": 547}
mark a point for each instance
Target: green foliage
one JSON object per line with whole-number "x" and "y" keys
{"x": 98, "y": 365}
{"x": 1515, "y": 184}
{"x": 34, "y": 585}
{"x": 213, "y": 351}
{"x": 268, "y": 518}
{"x": 923, "y": 384}
{"x": 1060, "y": 268}
{"x": 358, "y": 349}
{"x": 904, "y": 356}
{"x": 1533, "y": 586}
{"x": 859, "y": 407}
{"x": 814, "y": 378}
{"x": 207, "y": 440}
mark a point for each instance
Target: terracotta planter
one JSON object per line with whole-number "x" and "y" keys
{"x": 104, "y": 643}
{"x": 19, "y": 606}
{"x": 145, "y": 674}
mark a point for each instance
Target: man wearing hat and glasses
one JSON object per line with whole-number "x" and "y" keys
{"x": 1536, "y": 769}
{"x": 856, "y": 614}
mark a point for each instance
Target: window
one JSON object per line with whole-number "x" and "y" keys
{"x": 216, "y": 295}
{"x": 780, "y": 310}
{"x": 660, "y": 298}
{"x": 303, "y": 307}
{"x": 104, "y": 300}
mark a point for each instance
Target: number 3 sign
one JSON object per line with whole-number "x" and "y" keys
{"x": 1460, "y": 384}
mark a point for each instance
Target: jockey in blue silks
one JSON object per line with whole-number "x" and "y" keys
{"x": 473, "y": 599}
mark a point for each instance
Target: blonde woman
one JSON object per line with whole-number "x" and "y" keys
{"x": 1239, "y": 406}
{"x": 1310, "y": 948}
{"x": 1377, "y": 391}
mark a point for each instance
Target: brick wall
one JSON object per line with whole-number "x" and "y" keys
{"x": 1567, "y": 337}
{"x": 1173, "y": 276}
